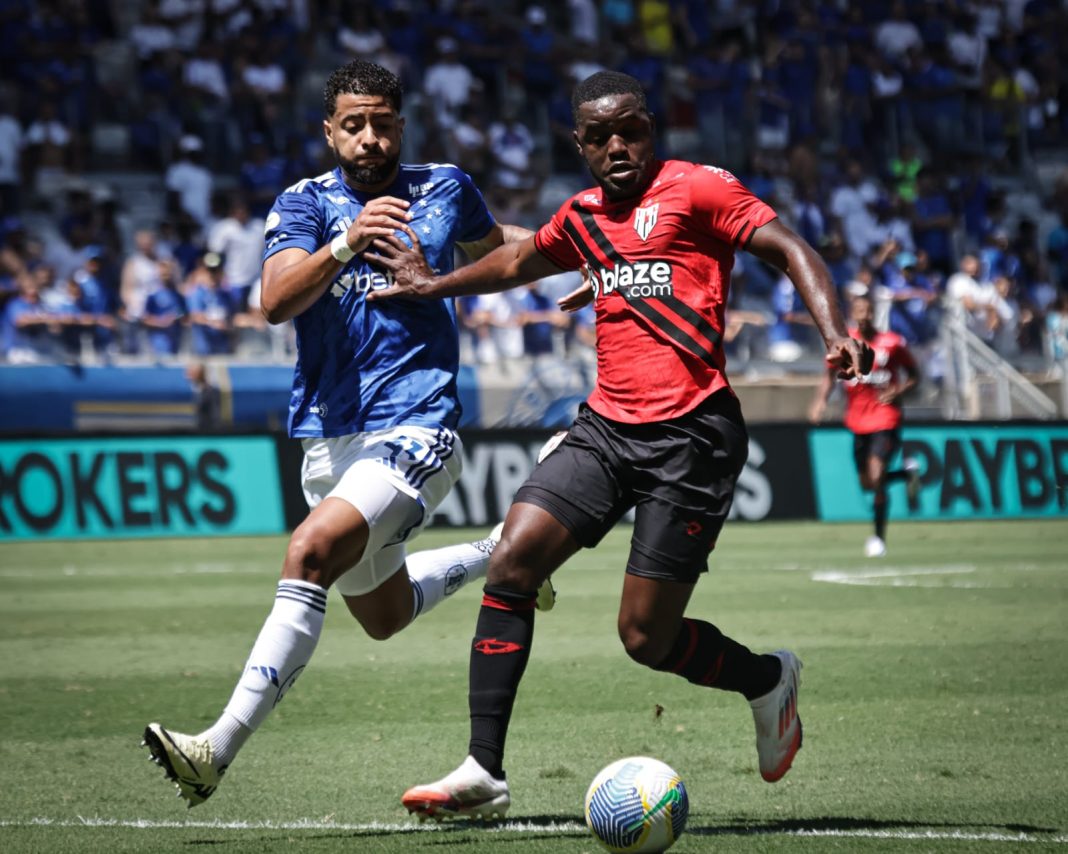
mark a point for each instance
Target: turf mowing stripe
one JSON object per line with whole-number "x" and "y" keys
{"x": 522, "y": 827}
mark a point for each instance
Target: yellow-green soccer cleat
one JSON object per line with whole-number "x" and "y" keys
{"x": 185, "y": 759}
{"x": 546, "y": 593}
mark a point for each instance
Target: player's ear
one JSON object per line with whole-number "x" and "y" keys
{"x": 328, "y": 132}
{"x": 578, "y": 142}
{"x": 400, "y": 126}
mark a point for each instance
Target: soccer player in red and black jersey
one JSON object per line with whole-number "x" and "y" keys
{"x": 873, "y": 414}
{"x": 661, "y": 433}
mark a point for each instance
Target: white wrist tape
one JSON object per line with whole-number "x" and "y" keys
{"x": 340, "y": 248}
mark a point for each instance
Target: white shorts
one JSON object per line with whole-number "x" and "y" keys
{"x": 396, "y": 478}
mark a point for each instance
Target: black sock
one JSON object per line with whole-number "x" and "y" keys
{"x": 499, "y": 656}
{"x": 896, "y": 474}
{"x": 705, "y": 656}
{"x": 880, "y": 507}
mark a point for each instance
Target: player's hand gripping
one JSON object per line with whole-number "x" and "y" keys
{"x": 412, "y": 276}
{"x": 381, "y": 217}
{"x": 581, "y": 296}
{"x": 850, "y": 357}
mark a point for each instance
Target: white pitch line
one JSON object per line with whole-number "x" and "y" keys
{"x": 896, "y": 576}
{"x": 522, "y": 827}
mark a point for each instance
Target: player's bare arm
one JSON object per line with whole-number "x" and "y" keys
{"x": 894, "y": 394}
{"x": 822, "y": 395}
{"x": 506, "y": 267}
{"x": 779, "y": 246}
{"x": 496, "y": 236}
{"x": 293, "y": 279}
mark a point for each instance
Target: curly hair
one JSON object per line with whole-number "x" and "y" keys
{"x": 605, "y": 83}
{"x": 362, "y": 78}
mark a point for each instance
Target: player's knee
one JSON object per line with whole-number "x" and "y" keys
{"x": 509, "y": 570}
{"x": 306, "y": 558}
{"x": 382, "y": 627}
{"x": 641, "y": 645}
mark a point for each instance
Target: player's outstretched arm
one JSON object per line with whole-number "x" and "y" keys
{"x": 293, "y": 279}
{"x": 779, "y": 246}
{"x": 506, "y": 267}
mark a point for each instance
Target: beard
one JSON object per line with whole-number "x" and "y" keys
{"x": 368, "y": 175}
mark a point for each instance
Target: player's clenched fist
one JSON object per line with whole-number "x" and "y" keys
{"x": 851, "y": 357}
{"x": 380, "y": 217}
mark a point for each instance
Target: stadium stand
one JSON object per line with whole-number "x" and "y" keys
{"x": 919, "y": 145}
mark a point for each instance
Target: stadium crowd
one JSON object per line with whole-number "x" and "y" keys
{"x": 900, "y": 137}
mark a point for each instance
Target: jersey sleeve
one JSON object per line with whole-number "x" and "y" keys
{"x": 552, "y": 241}
{"x": 475, "y": 218}
{"x": 295, "y": 221}
{"x": 723, "y": 204}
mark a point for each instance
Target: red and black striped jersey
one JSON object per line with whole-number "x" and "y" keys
{"x": 660, "y": 266}
{"x": 865, "y": 413}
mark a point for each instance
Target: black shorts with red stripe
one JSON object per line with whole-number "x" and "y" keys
{"x": 882, "y": 444}
{"x": 678, "y": 475}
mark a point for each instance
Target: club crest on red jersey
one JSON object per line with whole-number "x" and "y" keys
{"x": 645, "y": 219}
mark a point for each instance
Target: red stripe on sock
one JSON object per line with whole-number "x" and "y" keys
{"x": 691, "y": 647}
{"x": 502, "y": 605}
{"x": 712, "y": 676}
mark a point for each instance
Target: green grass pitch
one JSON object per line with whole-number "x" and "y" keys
{"x": 934, "y": 699}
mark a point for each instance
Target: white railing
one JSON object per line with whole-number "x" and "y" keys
{"x": 971, "y": 366}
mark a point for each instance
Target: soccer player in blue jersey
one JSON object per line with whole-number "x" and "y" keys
{"x": 374, "y": 403}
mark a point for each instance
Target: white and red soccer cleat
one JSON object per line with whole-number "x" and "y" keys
{"x": 778, "y": 727}
{"x": 470, "y": 791}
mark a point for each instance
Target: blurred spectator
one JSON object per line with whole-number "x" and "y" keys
{"x": 28, "y": 331}
{"x": 470, "y": 144}
{"x": 896, "y": 35}
{"x": 140, "y": 277}
{"x": 211, "y": 309}
{"x": 719, "y": 80}
{"x": 903, "y": 170}
{"x": 359, "y": 36}
{"x": 933, "y": 220}
{"x": 913, "y": 298}
{"x": 151, "y": 35}
{"x": 48, "y": 152}
{"x": 66, "y": 304}
{"x": 973, "y": 301}
{"x": 448, "y": 84}
{"x": 164, "y": 312}
{"x": 852, "y": 203}
{"x": 206, "y": 398}
{"x": 655, "y": 21}
{"x": 585, "y": 24}
{"x": 189, "y": 182}
{"x": 515, "y": 181}
{"x": 539, "y": 46}
{"x": 262, "y": 176}
{"x": 238, "y": 238}
{"x": 538, "y": 317}
{"x": 11, "y": 142}
{"x": 1057, "y": 332}
{"x": 791, "y": 335}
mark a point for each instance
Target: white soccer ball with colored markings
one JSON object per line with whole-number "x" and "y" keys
{"x": 637, "y": 805}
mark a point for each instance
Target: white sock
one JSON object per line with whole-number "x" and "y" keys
{"x": 438, "y": 573}
{"x": 282, "y": 650}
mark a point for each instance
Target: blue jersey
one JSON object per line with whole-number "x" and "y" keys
{"x": 367, "y": 367}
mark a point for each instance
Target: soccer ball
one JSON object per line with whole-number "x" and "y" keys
{"x": 637, "y": 805}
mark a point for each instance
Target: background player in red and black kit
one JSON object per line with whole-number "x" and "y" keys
{"x": 873, "y": 415}
{"x": 662, "y": 431}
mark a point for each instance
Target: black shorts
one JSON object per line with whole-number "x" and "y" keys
{"x": 882, "y": 444}
{"x": 679, "y": 475}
